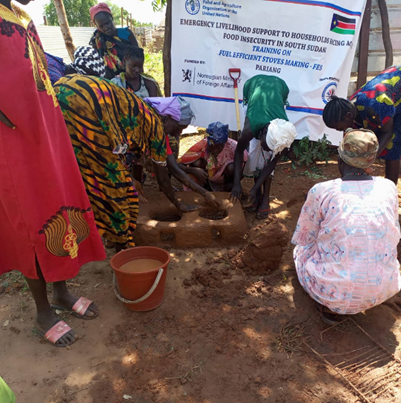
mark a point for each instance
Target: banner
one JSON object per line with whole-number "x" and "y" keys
{"x": 309, "y": 44}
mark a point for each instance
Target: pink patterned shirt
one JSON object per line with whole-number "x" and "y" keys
{"x": 346, "y": 244}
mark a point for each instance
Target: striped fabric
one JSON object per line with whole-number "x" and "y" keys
{"x": 111, "y": 129}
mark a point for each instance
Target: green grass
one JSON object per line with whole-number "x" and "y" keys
{"x": 154, "y": 66}
{"x": 15, "y": 280}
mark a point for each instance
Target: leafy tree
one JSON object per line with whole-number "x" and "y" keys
{"x": 158, "y": 4}
{"x": 77, "y": 12}
{"x": 116, "y": 12}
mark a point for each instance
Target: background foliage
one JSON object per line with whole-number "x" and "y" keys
{"x": 77, "y": 12}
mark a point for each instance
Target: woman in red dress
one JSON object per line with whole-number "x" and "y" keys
{"x": 47, "y": 226}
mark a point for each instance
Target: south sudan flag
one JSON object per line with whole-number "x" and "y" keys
{"x": 342, "y": 25}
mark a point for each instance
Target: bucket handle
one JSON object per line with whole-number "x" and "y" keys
{"x": 146, "y": 296}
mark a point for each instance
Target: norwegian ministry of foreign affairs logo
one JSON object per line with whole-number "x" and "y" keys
{"x": 187, "y": 75}
{"x": 329, "y": 91}
{"x": 192, "y": 6}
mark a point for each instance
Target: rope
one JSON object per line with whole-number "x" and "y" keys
{"x": 146, "y": 296}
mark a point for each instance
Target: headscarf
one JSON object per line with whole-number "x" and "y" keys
{"x": 359, "y": 148}
{"x": 218, "y": 133}
{"x": 88, "y": 62}
{"x": 280, "y": 135}
{"x": 266, "y": 98}
{"x": 99, "y": 8}
{"x": 186, "y": 112}
{"x": 166, "y": 106}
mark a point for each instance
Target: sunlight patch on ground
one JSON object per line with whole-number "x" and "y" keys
{"x": 130, "y": 359}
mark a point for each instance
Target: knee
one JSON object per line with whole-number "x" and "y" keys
{"x": 198, "y": 164}
{"x": 229, "y": 171}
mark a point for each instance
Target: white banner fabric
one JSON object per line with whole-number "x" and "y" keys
{"x": 309, "y": 44}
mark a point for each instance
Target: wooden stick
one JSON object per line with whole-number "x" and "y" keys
{"x": 366, "y": 360}
{"x": 388, "y": 46}
{"x": 364, "y": 46}
{"x": 339, "y": 373}
{"x": 358, "y": 356}
{"x": 374, "y": 341}
{"x": 77, "y": 391}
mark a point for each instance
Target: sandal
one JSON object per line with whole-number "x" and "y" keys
{"x": 261, "y": 214}
{"x": 328, "y": 316}
{"x": 253, "y": 208}
{"x": 54, "y": 334}
{"x": 79, "y": 309}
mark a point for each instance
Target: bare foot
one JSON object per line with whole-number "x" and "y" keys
{"x": 46, "y": 320}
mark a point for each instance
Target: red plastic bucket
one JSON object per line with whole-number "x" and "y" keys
{"x": 141, "y": 291}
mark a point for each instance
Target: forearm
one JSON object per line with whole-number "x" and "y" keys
{"x": 181, "y": 176}
{"x": 266, "y": 172}
{"x": 384, "y": 139}
{"x": 186, "y": 168}
{"x": 165, "y": 184}
{"x": 136, "y": 172}
{"x": 238, "y": 163}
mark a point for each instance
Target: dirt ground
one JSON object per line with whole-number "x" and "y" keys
{"x": 223, "y": 334}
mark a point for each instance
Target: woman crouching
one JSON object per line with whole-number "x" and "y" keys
{"x": 347, "y": 235}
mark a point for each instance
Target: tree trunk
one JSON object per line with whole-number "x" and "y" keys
{"x": 386, "y": 33}
{"x": 167, "y": 51}
{"x": 65, "y": 29}
{"x": 364, "y": 46}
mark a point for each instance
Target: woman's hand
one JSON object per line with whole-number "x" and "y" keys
{"x": 186, "y": 208}
{"x": 200, "y": 174}
{"x": 139, "y": 189}
{"x": 4, "y": 119}
{"x": 236, "y": 193}
{"x": 211, "y": 200}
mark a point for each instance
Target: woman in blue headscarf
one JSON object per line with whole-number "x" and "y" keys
{"x": 211, "y": 160}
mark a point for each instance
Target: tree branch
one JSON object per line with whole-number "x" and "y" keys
{"x": 388, "y": 47}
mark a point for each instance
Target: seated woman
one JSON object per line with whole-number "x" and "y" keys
{"x": 211, "y": 160}
{"x": 110, "y": 138}
{"x": 86, "y": 61}
{"x": 110, "y": 41}
{"x": 347, "y": 235}
{"x": 133, "y": 79}
{"x": 268, "y": 133}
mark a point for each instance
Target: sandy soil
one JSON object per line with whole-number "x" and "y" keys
{"x": 223, "y": 334}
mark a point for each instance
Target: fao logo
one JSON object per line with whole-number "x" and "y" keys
{"x": 328, "y": 92}
{"x": 192, "y": 6}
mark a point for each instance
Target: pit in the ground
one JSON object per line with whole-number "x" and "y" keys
{"x": 166, "y": 217}
{"x": 214, "y": 215}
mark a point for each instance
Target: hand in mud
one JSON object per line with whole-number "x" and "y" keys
{"x": 200, "y": 174}
{"x": 212, "y": 201}
{"x": 4, "y": 119}
{"x": 141, "y": 195}
{"x": 236, "y": 193}
{"x": 186, "y": 208}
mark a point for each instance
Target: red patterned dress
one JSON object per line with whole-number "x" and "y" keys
{"x": 44, "y": 210}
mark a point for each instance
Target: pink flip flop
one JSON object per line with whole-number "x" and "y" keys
{"x": 79, "y": 309}
{"x": 54, "y": 334}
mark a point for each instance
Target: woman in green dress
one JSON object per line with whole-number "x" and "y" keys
{"x": 268, "y": 133}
